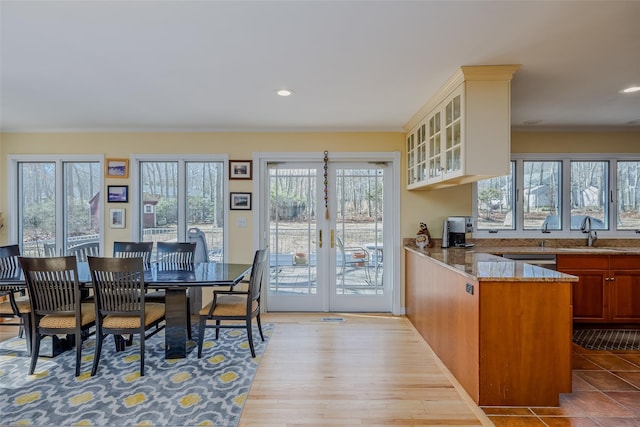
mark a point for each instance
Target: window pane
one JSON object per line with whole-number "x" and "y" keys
{"x": 628, "y": 196}
{"x": 589, "y": 191}
{"x": 159, "y": 183}
{"x": 37, "y": 206}
{"x": 205, "y": 203}
{"x": 495, "y": 203}
{"x": 540, "y": 200}
{"x": 83, "y": 208}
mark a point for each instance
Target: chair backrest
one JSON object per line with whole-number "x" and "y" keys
{"x": 197, "y": 236}
{"x": 9, "y": 257}
{"x": 52, "y": 284}
{"x": 134, "y": 250}
{"x": 82, "y": 251}
{"x": 258, "y": 274}
{"x": 176, "y": 255}
{"x": 118, "y": 285}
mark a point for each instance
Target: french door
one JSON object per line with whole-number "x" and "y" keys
{"x": 326, "y": 236}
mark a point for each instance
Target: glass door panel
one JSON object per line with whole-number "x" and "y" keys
{"x": 293, "y": 263}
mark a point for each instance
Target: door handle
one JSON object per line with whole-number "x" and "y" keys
{"x": 333, "y": 241}
{"x": 320, "y": 239}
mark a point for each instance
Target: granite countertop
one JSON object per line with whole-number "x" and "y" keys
{"x": 482, "y": 266}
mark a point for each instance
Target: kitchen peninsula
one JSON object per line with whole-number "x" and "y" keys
{"x": 502, "y": 327}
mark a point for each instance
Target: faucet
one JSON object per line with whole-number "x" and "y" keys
{"x": 592, "y": 235}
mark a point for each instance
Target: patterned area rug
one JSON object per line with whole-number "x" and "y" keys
{"x": 607, "y": 339}
{"x": 177, "y": 392}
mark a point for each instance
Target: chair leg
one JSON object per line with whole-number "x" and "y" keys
{"x": 28, "y": 332}
{"x": 96, "y": 356}
{"x": 201, "y": 327}
{"x": 78, "y": 352}
{"x": 217, "y": 329}
{"x": 141, "y": 353}
{"x": 250, "y": 338}
{"x": 188, "y": 317}
{"x": 259, "y": 325}
{"x": 35, "y": 349}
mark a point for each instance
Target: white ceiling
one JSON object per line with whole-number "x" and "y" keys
{"x": 354, "y": 65}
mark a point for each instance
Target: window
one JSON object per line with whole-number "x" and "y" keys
{"x": 555, "y": 193}
{"x": 176, "y": 195}
{"x": 541, "y": 195}
{"x": 589, "y": 194}
{"x": 59, "y": 203}
{"x": 495, "y": 203}
{"x": 628, "y": 196}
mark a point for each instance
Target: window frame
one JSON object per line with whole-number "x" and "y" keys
{"x": 565, "y": 188}
{"x": 61, "y": 201}
{"x": 182, "y": 159}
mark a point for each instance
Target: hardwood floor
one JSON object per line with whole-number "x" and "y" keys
{"x": 376, "y": 370}
{"x": 368, "y": 370}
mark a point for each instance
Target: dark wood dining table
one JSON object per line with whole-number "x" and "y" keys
{"x": 175, "y": 283}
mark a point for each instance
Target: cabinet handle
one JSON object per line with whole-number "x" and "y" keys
{"x": 320, "y": 239}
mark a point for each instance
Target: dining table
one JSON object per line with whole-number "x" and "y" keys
{"x": 175, "y": 283}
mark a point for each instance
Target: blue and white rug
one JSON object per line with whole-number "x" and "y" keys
{"x": 178, "y": 392}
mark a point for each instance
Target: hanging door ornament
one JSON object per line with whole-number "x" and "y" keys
{"x": 326, "y": 184}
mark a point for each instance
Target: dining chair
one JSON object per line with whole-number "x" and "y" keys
{"x": 121, "y": 308}
{"x": 56, "y": 307}
{"x": 174, "y": 256}
{"x": 237, "y": 305}
{"x": 84, "y": 250}
{"x": 354, "y": 257}
{"x": 17, "y": 305}
{"x": 134, "y": 250}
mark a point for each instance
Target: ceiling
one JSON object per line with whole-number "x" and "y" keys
{"x": 354, "y": 65}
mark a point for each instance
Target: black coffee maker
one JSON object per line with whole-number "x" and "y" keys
{"x": 455, "y": 230}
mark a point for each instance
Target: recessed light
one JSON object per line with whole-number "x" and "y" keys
{"x": 284, "y": 92}
{"x": 631, "y": 89}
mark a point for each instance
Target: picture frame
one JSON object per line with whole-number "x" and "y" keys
{"x": 240, "y": 169}
{"x": 117, "y": 217}
{"x": 117, "y": 193}
{"x": 240, "y": 201}
{"x": 117, "y": 168}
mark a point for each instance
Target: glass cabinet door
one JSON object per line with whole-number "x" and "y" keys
{"x": 453, "y": 136}
{"x": 435, "y": 148}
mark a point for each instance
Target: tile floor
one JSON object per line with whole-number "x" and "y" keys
{"x": 606, "y": 393}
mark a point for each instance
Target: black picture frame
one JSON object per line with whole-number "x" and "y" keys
{"x": 240, "y": 169}
{"x": 240, "y": 201}
{"x": 117, "y": 193}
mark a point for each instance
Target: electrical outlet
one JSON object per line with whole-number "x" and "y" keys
{"x": 469, "y": 288}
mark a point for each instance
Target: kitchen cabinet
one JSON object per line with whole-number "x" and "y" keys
{"x": 507, "y": 342}
{"x": 463, "y": 134}
{"x": 608, "y": 290}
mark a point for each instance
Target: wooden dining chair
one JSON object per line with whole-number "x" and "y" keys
{"x": 121, "y": 308}
{"x": 134, "y": 250}
{"x": 237, "y": 305}
{"x": 174, "y": 256}
{"x": 56, "y": 307}
{"x": 16, "y": 305}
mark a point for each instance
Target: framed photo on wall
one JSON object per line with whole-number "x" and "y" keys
{"x": 117, "y": 168}
{"x": 117, "y": 193}
{"x": 240, "y": 169}
{"x": 116, "y": 218}
{"x": 240, "y": 201}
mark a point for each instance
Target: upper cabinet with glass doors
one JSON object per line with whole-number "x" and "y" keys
{"x": 463, "y": 133}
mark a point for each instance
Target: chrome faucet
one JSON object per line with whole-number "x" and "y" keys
{"x": 592, "y": 235}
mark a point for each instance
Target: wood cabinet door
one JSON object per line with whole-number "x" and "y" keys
{"x": 624, "y": 296}
{"x": 589, "y": 297}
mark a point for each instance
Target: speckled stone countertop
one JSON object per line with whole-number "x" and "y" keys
{"x": 482, "y": 266}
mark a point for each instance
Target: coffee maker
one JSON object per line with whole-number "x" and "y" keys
{"x": 455, "y": 230}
